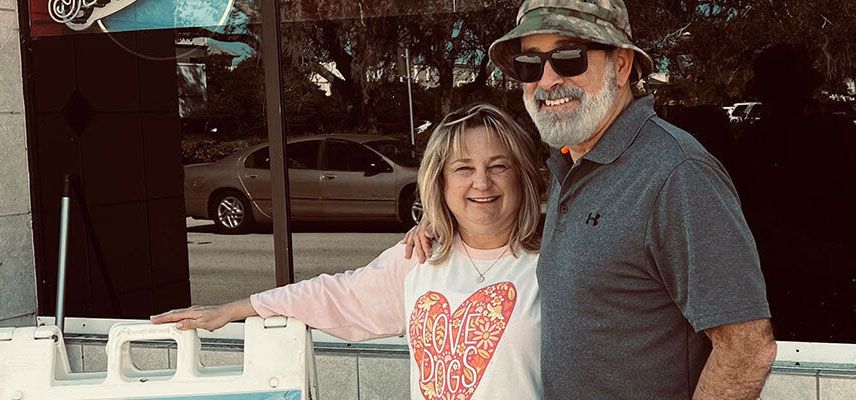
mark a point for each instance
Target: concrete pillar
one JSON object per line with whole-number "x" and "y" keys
{"x": 17, "y": 266}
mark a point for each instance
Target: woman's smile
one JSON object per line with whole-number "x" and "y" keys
{"x": 483, "y": 200}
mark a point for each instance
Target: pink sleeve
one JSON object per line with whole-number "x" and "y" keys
{"x": 354, "y": 305}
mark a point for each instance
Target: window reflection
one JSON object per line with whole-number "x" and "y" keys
{"x": 227, "y": 170}
{"x": 346, "y": 71}
{"x": 789, "y": 149}
{"x": 344, "y": 156}
{"x": 346, "y": 74}
{"x": 793, "y": 199}
{"x": 398, "y": 152}
{"x": 259, "y": 159}
{"x": 790, "y": 179}
{"x": 303, "y": 155}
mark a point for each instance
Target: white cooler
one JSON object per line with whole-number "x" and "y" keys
{"x": 278, "y": 364}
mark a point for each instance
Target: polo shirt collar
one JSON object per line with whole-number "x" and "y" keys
{"x": 623, "y": 131}
{"x": 614, "y": 141}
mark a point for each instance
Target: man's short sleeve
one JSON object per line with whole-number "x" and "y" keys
{"x": 700, "y": 247}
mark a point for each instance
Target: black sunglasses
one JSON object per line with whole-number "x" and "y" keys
{"x": 567, "y": 61}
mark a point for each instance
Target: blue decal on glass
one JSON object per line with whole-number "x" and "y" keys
{"x": 169, "y": 14}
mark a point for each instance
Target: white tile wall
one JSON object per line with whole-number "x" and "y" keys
{"x": 221, "y": 358}
{"x": 337, "y": 377}
{"x": 17, "y": 265}
{"x": 384, "y": 378}
{"x": 15, "y": 176}
{"x": 147, "y": 358}
{"x": 75, "y": 357}
{"x": 838, "y": 388}
{"x": 9, "y": 5}
{"x": 345, "y": 377}
{"x": 11, "y": 87}
{"x": 790, "y": 387}
{"x": 94, "y": 358}
{"x": 17, "y": 300}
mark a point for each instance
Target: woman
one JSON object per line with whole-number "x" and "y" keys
{"x": 471, "y": 313}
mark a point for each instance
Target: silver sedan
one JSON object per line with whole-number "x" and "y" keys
{"x": 331, "y": 177}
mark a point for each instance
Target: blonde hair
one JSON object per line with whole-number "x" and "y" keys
{"x": 447, "y": 139}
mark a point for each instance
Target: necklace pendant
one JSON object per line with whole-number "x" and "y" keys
{"x": 480, "y": 279}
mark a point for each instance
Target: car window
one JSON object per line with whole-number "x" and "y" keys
{"x": 345, "y": 156}
{"x": 303, "y": 155}
{"x": 399, "y": 152}
{"x": 260, "y": 159}
{"x": 755, "y": 112}
{"x": 739, "y": 110}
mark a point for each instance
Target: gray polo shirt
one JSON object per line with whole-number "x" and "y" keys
{"x": 645, "y": 246}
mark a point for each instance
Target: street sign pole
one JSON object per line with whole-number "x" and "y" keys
{"x": 410, "y": 96}
{"x": 63, "y": 251}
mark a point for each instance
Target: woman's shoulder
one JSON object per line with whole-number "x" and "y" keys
{"x": 396, "y": 255}
{"x": 526, "y": 256}
{"x": 530, "y": 253}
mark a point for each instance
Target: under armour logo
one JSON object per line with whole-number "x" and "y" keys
{"x": 592, "y": 219}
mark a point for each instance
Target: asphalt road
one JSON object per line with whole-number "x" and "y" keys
{"x": 228, "y": 267}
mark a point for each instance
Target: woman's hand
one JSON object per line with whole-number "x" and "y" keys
{"x": 419, "y": 238}
{"x": 206, "y": 317}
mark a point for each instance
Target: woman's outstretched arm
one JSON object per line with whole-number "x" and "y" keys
{"x": 207, "y": 317}
{"x": 354, "y": 305}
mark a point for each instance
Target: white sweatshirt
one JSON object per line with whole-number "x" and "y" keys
{"x": 468, "y": 340}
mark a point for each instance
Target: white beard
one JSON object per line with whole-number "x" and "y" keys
{"x": 572, "y": 127}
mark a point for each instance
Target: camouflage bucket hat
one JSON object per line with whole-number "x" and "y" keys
{"x": 599, "y": 21}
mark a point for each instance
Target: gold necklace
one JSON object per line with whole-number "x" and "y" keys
{"x": 480, "y": 279}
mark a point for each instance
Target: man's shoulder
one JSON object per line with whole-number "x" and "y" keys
{"x": 668, "y": 145}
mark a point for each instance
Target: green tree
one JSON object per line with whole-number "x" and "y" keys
{"x": 709, "y": 46}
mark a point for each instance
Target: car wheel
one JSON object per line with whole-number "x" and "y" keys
{"x": 232, "y": 212}
{"x": 406, "y": 210}
{"x": 416, "y": 212}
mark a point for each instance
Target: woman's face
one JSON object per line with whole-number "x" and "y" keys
{"x": 482, "y": 185}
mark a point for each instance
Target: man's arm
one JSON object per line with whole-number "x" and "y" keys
{"x": 418, "y": 240}
{"x": 738, "y": 366}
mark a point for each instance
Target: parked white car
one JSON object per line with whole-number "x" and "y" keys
{"x": 740, "y": 111}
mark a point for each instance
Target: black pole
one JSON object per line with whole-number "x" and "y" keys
{"x": 77, "y": 188}
{"x": 274, "y": 105}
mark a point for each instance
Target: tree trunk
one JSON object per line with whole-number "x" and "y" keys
{"x": 447, "y": 75}
{"x": 478, "y": 83}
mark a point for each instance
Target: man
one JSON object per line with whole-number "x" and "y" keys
{"x": 649, "y": 277}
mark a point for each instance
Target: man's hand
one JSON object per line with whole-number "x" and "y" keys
{"x": 206, "y": 317}
{"x": 419, "y": 238}
{"x": 739, "y": 363}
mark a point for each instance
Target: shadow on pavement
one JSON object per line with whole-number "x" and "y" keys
{"x": 325, "y": 226}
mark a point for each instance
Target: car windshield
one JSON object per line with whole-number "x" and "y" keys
{"x": 399, "y": 152}
{"x": 755, "y": 112}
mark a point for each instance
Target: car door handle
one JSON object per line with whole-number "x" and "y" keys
{"x": 328, "y": 177}
{"x": 251, "y": 176}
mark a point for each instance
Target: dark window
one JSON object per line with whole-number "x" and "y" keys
{"x": 303, "y": 155}
{"x": 755, "y": 112}
{"x": 399, "y": 152}
{"x": 260, "y": 159}
{"x": 345, "y": 156}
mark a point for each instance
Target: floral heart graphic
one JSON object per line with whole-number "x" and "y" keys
{"x": 452, "y": 351}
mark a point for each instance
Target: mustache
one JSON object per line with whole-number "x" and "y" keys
{"x": 559, "y": 93}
